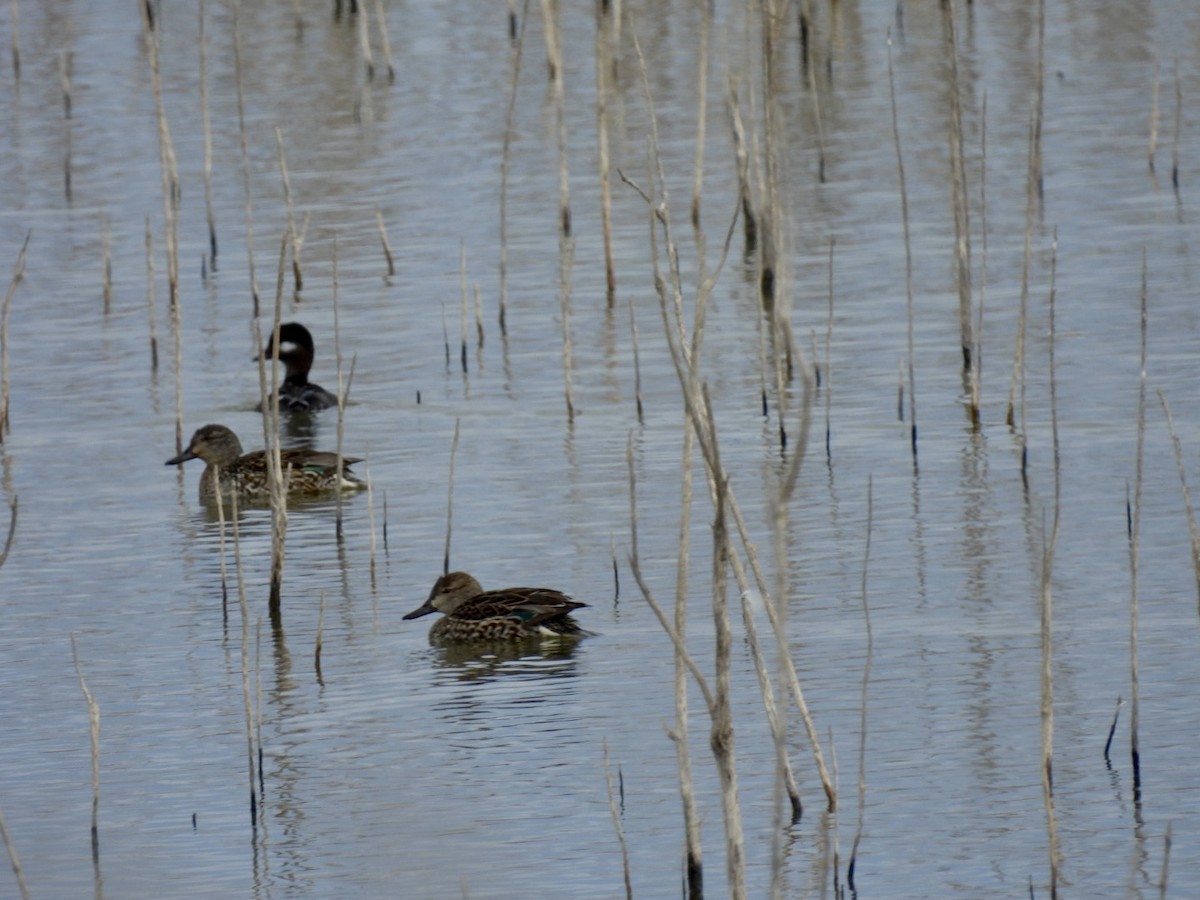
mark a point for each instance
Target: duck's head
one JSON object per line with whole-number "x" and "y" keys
{"x": 449, "y": 593}
{"x": 215, "y": 444}
{"x": 295, "y": 350}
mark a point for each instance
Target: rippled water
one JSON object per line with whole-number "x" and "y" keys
{"x": 398, "y": 769}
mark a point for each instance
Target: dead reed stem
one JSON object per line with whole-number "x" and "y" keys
{"x": 1134, "y": 520}
{"x": 962, "y": 224}
{"x": 701, "y": 108}
{"x": 866, "y": 681}
{"x": 616, "y": 817}
{"x": 170, "y": 191}
{"x": 276, "y": 477}
{"x": 364, "y": 43}
{"x": 246, "y": 698}
{"x": 976, "y": 382}
{"x": 245, "y": 154}
{"x": 17, "y": 275}
{"x": 207, "y": 127}
{"x": 383, "y": 239}
{"x": 829, "y": 361}
{"x": 1047, "y": 629}
{"x": 551, "y": 28}
{"x": 1154, "y": 117}
{"x": 150, "y": 302}
{"x": 1183, "y": 488}
{"x": 1018, "y": 372}
{"x": 479, "y": 335}
{"x": 64, "y": 80}
{"x": 505, "y": 158}
{"x": 450, "y": 497}
{"x": 13, "y": 858}
{"x": 462, "y": 304}
{"x": 106, "y": 239}
{"x": 12, "y": 528}
{"x": 384, "y": 41}
{"x": 742, "y": 159}
{"x": 604, "y": 55}
{"x": 370, "y": 515}
{"x": 16, "y": 67}
{"x": 810, "y": 74}
{"x": 637, "y": 363}
{"x": 567, "y": 258}
{"x": 1178, "y": 132}
{"x": 296, "y": 238}
{"x": 219, "y": 495}
{"x": 320, "y": 639}
{"x": 94, "y": 730}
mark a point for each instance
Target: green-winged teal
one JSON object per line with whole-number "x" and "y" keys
{"x": 297, "y": 393}
{"x": 305, "y": 471}
{"x": 472, "y": 614}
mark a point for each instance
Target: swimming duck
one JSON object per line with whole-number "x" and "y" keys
{"x": 472, "y": 614}
{"x": 305, "y": 471}
{"x": 297, "y": 393}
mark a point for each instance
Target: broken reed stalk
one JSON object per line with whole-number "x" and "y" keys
{"x": 742, "y": 159}
{"x": 245, "y": 154}
{"x": 384, "y": 41}
{"x": 106, "y": 290}
{"x": 1162, "y": 881}
{"x": 478, "y": 317}
{"x": 258, "y": 706}
{"x": 962, "y": 222}
{"x": 701, "y": 108}
{"x": 12, "y": 528}
{"x": 276, "y": 477}
{"x": 17, "y": 275}
{"x": 1018, "y": 372}
{"x": 637, "y": 363}
{"x": 16, "y": 67}
{"x": 450, "y": 497}
{"x": 462, "y": 304}
{"x": 94, "y": 730}
{"x": 1154, "y": 116}
{"x": 566, "y": 259}
{"x": 297, "y": 276}
{"x": 829, "y": 361}
{"x": 616, "y": 817}
{"x": 1183, "y": 488}
{"x": 866, "y": 680}
{"x": 150, "y": 298}
{"x": 364, "y": 43}
{"x": 170, "y": 199}
{"x": 13, "y": 858}
{"x": 810, "y": 72}
{"x": 64, "y": 80}
{"x": 246, "y": 701}
{"x": 721, "y": 737}
{"x": 552, "y": 29}
{"x": 218, "y": 494}
{"x": 1134, "y": 520}
{"x": 370, "y": 514}
{"x": 983, "y": 260}
{"x": 1178, "y": 131}
{"x": 505, "y": 157}
{"x": 206, "y": 123}
{"x": 385, "y": 521}
{"x": 320, "y": 639}
{"x": 1047, "y": 606}
{"x": 604, "y": 42}
{"x": 383, "y": 239}
{"x": 343, "y": 392}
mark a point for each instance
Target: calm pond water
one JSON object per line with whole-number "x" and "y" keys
{"x": 398, "y": 769}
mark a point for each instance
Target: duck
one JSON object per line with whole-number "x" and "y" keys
{"x": 472, "y": 614}
{"x": 297, "y": 393}
{"x": 306, "y": 472}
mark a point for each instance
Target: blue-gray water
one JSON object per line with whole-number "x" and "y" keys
{"x": 405, "y": 770}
